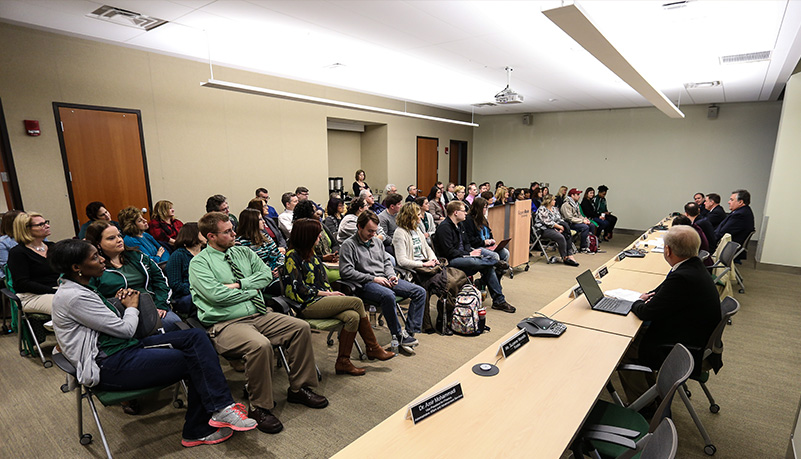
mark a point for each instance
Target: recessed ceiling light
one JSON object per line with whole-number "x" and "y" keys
{"x": 126, "y": 18}
{"x": 552, "y": 100}
{"x": 702, "y": 85}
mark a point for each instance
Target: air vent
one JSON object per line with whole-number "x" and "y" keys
{"x": 745, "y": 58}
{"x": 126, "y": 18}
{"x": 675, "y": 5}
{"x": 702, "y": 85}
{"x": 484, "y": 104}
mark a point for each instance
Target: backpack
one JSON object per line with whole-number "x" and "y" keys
{"x": 468, "y": 315}
{"x": 592, "y": 243}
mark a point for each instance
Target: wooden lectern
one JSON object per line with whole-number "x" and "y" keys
{"x": 513, "y": 221}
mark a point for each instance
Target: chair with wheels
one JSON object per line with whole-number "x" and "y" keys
{"x": 742, "y": 249}
{"x": 722, "y": 269}
{"x": 613, "y": 430}
{"x": 21, "y": 321}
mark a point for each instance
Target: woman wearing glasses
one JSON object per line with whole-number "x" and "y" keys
{"x": 31, "y": 277}
{"x": 134, "y": 227}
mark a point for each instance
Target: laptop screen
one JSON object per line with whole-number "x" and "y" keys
{"x": 591, "y": 289}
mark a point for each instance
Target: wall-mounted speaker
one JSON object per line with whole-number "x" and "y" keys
{"x": 527, "y": 119}
{"x": 712, "y": 112}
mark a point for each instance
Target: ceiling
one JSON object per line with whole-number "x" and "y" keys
{"x": 452, "y": 54}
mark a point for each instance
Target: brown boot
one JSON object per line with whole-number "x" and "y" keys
{"x": 374, "y": 350}
{"x": 344, "y": 365}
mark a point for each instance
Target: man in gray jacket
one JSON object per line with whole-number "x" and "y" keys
{"x": 362, "y": 260}
{"x": 573, "y": 216}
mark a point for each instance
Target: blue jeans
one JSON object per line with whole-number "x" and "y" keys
{"x": 585, "y": 231}
{"x": 485, "y": 264}
{"x": 385, "y": 298}
{"x": 602, "y": 226}
{"x": 170, "y": 322}
{"x": 192, "y": 357}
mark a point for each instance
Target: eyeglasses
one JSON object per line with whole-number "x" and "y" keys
{"x": 39, "y": 225}
{"x": 228, "y": 232}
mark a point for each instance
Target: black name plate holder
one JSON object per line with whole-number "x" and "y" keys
{"x": 603, "y": 272}
{"x": 424, "y": 408}
{"x": 511, "y": 345}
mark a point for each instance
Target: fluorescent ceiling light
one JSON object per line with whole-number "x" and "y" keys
{"x": 255, "y": 90}
{"x": 574, "y": 22}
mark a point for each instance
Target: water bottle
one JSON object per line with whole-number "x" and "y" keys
{"x": 482, "y": 320}
{"x": 372, "y": 313}
{"x": 394, "y": 344}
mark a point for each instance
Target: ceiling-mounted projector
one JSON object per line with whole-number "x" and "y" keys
{"x": 507, "y": 95}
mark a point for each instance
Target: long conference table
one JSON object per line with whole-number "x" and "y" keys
{"x": 538, "y": 401}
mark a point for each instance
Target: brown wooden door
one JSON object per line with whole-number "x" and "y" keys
{"x": 426, "y": 163}
{"x": 104, "y": 159}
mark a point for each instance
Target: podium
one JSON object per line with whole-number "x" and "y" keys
{"x": 513, "y": 221}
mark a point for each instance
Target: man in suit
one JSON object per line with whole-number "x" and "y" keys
{"x": 691, "y": 210}
{"x": 265, "y": 195}
{"x": 699, "y": 199}
{"x": 684, "y": 309}
{"x": 716, "y": 213}
{"x": 740, "y": 222}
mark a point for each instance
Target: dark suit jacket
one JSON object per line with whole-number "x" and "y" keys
{"x": 685, "y": 309}
{"x": 709, "y": 232}
{"x": 280, "y": 240}
{"x": 739, "y": 224}
{"x": 715, "y": 216}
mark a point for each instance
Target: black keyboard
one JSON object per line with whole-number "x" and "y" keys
{"x": 608, "y": 304}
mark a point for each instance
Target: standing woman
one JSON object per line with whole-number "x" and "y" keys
{"x": 306, "y": 282}
{"x": 164, "y": 227}
{"x": 188, "y": 243}
{"x": 7, "y": 241}
{"x": 436, "y": 206}
{"x": 587, "y": 207}
{"x": 360, "y": 184}
{"x": 128, "y": 268}
{"x": 31, "y": 277}
{"x": 97, "y": 339}
{"x": 549, "y": 221}
{"x": 133, "y": 226}
{"x": 335, "y": 211}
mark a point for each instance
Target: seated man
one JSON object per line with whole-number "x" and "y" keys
{"x": 599, "y": 201}
{"x": 302, "y": 194}
{"x": 289, "y": 200}
{"x": 452, "y": 243}
{"x": 716, "y": 213}
{"x": 265, "y": 195}
{"x": 226, "y": 283}
{"x": 684, "y": 309}
{"x": 472, "y": 192}
{"x": 572, "y": 215}
{"x": 699, "y": 199}
{"x": 372, "y": 205}
{"x": 386, "y": 219}
{"x": 692, "y": 212}
{"x": 740, "y": 222}
{"x": 219, "y": 203}
{"x": 412, "y": 190}
{"x": 362, "y": 260}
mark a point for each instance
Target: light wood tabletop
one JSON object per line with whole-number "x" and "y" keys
{"x": 532, "y": 408}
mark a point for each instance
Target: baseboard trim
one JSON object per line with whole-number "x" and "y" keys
{"x": 778, "y": 268}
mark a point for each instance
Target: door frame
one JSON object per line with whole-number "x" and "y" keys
{"x": 458, "y": 162}
{"x": 65, "y": 163}
{"x": 8, "y": 161}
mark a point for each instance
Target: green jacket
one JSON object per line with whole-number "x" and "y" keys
{"x": 155, "y": 284}
{"x": 208, "y": 271}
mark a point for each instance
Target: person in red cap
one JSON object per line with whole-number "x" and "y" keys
{"x": 572, "y": 214}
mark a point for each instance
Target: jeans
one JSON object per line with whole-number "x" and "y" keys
{"x": 192, "y": 357}
{"x": 485, "y": 265}
{"x": 602, "y": 226}
{"x": 170, "y": 322}
{"x": 584, "y": 231}
{"x": 385, "y": 298}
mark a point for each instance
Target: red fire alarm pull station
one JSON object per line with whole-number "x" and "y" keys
{"x": 32, "y": 128}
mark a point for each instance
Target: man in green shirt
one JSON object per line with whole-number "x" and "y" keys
{"x": 226, "y": 283}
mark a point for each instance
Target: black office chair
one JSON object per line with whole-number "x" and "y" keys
{"x": 724, "y": 262}
{"x": 743, "y": 249}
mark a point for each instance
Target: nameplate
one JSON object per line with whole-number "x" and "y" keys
{"x": 514, "y": 343}
{"x": 435, "y": 402}
{"x": 603, "y": 272}
{"x": 621, "y": 256}
{"x": 576, "y": 291}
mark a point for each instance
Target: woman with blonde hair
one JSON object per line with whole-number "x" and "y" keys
{"x": 164, "y": 227}
{"x": 501, "y": 196}
{"x": 548, "y": 220}
{"x": 459, "y": 193}
{"x": 32, "y": 279}
{"x": 134, "y": 227}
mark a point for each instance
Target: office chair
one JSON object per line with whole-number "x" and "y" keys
{"x": 613, "y": 430}
{"x": 27, "y": 338}
{"x": 709, "y": 358}
{"x": 743, "y": 248}
{"x": 724, "y": 261}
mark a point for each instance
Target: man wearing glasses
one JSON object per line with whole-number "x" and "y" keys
{"x": 452, "y": 243}
{"x": 265, "y": 195}
{"x": 226, "y": 282}
{"x": 303, "y": 195}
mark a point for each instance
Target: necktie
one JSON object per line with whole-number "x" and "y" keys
{"x": 258, "y": 301}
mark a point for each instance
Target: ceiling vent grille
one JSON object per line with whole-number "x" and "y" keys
{"x": 745, "y": 58}
{"x": 485, "y": 104}
{"x": 126, "y": 18}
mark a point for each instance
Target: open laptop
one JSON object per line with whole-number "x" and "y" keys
{"x": 598, "y": 301}
{"x": 501, "y": 245}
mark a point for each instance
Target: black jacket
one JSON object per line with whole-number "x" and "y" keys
{"x": 715, "y": 216}
{"x": 709, "y": 232}
{"x": 450, "y": 241}
{"x": 280, "y": 240}
{"x": 473, "y": 234}
{"x": 739, "y": 224}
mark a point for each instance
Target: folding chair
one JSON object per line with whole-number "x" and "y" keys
{"x": 613, "y": 430}
{"x": 27, "y": 338}
{"x": 537, "y": 244}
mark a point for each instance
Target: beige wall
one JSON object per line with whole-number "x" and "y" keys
{"x": 198, "y": 141}
{"x": 780, "y": 245}
{"x": 651, "y": 163}
{"x": 344, "y": 155}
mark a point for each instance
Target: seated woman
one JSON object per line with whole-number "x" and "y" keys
{"x": 560, "y": 197}
{"x": 306, "y": 283}
{"x": 164, "y": 227}
{"x": 250, "y": 233}
{"x": 436, "y": 207}
{"x": 588, "y": 209}
{"x": 31, "y": 277}
{"x": 97, "y": 339}
{"x": 458, "y": 191}
{"x": 347, "y": 227}
{"x": 501, "y": 196}
{"x": 520, "y": 194}
{"x": 479, "y": 234}
{"x": 130, "y": 268}
{"x": 7, "y": 241}
{"x": 426, "y": 219}
{"x": 335, "y": 211}
{"x": 95, "y": 211}
{"x": 360, "y": 184}
{"x": 536, "y": 198}
{"x": 327, "y": 247}
{"x": 188, "y": 243}
{"x": 549, "y": 222}
{"x": 270, "y": 225}
{"x": 133, "y": 226}
{"x": 412, "y": 252}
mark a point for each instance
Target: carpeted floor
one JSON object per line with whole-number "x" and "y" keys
{"x": 758, "y": 388}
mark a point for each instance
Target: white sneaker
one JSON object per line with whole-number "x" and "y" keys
{"x": 48, "y": 325}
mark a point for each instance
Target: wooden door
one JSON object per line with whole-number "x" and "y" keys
{"x": 104, "y": 158}
{"x": 426, "y": 163}
{"x": 8, "y": 175}
{"x": 458, "y": 162}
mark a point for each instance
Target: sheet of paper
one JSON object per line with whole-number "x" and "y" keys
{"x": 623, "y": 294}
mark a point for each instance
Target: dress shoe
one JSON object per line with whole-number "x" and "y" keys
{"x": 268, "y": 423}
{"x": 131, "y": 407}
{"x": 305, "y": 396}
{"x": 504, "y": 306}
{"x": 502, "y": 265}
{"x": 570, "y": 262}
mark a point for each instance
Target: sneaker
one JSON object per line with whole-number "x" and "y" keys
{"x": 407, "y": 340}
{"x": 217, "y": 437}
{"x": 48, "y": 325}
{"x": 585, "y": 250}
{"x": 233, "y": 416}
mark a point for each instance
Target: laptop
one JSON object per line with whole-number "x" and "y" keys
{"x": 501, "y": 245}
{"x": 598, "y": 301}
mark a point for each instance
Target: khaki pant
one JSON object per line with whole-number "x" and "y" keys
{"x": 252, "y": 338}
{"x": 37, "y": 303}
{"x": 348, "y": 309}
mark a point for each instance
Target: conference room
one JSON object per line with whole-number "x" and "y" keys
{"x": 371, "y": 86}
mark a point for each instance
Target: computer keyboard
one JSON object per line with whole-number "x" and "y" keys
{"x": 608, "y": 303}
